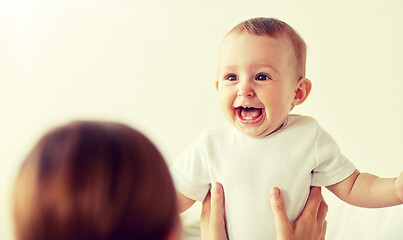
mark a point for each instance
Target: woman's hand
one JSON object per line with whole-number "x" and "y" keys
{"x": 311, "y": 225}
{"x": 212, "y": 222}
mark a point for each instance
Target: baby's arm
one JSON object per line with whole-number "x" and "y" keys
{"x": 367, "y": 190}
{"x": 184, "y": 203}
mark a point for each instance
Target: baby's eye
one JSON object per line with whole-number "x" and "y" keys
{"x": 262, "y": 77}
{"x": 231, "y": 77}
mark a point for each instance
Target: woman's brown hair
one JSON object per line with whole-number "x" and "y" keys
{"x": 94, "y": 180}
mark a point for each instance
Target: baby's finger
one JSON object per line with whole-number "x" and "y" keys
{"x": 280, "y": 216}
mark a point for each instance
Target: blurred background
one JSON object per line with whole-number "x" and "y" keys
{"x": 152, "y": 64}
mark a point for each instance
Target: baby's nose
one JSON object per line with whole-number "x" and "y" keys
{"x": 246, "y": 91}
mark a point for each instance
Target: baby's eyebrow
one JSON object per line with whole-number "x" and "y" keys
{"x": 234, "y": 67}
{"x": 261, "y": 65}
{"x": 230, "y": 68}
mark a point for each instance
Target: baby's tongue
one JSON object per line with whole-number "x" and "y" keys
{"x": 250, "y": 113}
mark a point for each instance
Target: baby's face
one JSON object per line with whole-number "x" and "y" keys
{"x": 256, "y": 82}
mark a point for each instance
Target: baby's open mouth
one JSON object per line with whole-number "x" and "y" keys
{"x": 249, "y": 113}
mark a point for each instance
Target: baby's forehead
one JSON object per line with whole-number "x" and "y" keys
{"x": 232, "y": 36}
{"x": 279, "y": 45}
{"x": 234, "y": 40}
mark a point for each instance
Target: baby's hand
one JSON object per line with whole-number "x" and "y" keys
{"x": 399, "y": 187}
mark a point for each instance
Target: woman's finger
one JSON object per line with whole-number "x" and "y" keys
{"x": 277, "y": 204}
{"x": 322, "y": 212}
{"x": 217, "y": 217}
{"x": 323, "y": 232}
{"x": 206, "y": 210}
{"x": 313, "y": 203}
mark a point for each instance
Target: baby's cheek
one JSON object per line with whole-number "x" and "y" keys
{"x": 399, "y": 186}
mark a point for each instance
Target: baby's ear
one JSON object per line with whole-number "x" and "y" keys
{"x": 302, "y": 91}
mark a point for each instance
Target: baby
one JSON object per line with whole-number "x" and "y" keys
{"x": 261, "y": 77}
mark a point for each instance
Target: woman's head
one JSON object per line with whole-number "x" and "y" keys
{"x": 94, "y": 180}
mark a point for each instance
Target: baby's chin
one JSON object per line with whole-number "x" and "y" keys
{"x": 253, "y": 132}
{"x": 257, "y": 131}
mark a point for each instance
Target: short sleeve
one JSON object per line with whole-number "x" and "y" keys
{"x": 331, "y": 165}
{"x": 190, "y": 171}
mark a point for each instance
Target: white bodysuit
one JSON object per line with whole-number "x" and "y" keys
{"x": 299, "y": 155}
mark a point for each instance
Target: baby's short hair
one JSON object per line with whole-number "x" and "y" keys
{"x": 275, "y": 28}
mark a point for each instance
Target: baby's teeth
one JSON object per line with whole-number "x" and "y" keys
{"x": 248, "y": 118}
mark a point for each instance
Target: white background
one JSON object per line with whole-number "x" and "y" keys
{"x": 152, "y": 64}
